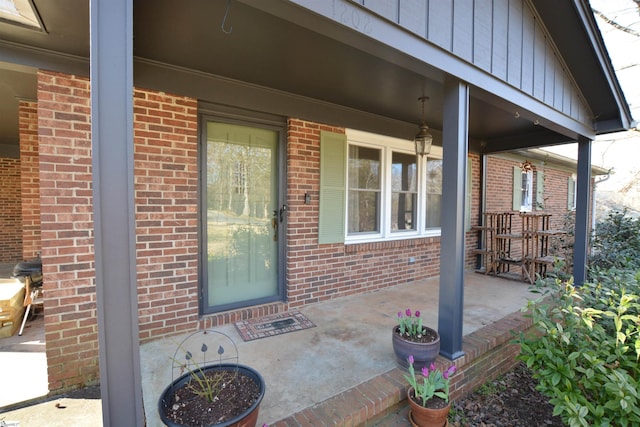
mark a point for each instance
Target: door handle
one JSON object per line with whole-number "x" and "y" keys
{"x": 283, "y": 210}
{"x": 274, "y": 225}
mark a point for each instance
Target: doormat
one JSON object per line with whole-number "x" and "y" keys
{"x": 275, "y": 324}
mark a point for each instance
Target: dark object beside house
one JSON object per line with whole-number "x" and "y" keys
{"x": 32, "y": 269}
{"x": 29, "y": 273}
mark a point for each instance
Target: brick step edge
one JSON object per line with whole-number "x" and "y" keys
{"x": 488, "y": 352}
{"x": 355, "y": 406}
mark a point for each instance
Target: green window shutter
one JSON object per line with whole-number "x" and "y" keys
{"x": 517, "y": 188}
{"x": 570, "y": 194}
{"x": 333, "y": 184}
{"x": 540, "y": 190}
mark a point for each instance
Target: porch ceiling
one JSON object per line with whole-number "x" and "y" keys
{"x": 262, "y": 49}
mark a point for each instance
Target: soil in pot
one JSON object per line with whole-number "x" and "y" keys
{"x": 434, "y": 403}
{"x": 428, "y": 335}
{"x": 237, "y": 395}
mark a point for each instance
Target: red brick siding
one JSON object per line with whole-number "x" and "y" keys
{"x": 500, "y": 193}
{"x": 67, "y": 229}
{"x": 322, "y": 272}
{"x": 499, "y": 184}
{"x": 166, "y": 191}
{"x": 500, "y": 188}
{"x": 471, "y": 239}
{"x": 166, "y": 176}
{"x": 556, "y": 186}
{"x": 30, "y": 179}
{"x": 166, "y": 203}
{"x": 10, "y": 206}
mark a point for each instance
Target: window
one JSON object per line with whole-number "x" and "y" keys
{"x": 391, "y": 193}
{"x": 364, "y": 190}
{"x": 571, "y": 193}
{"x": 434, "y": 193}
{"x": 404, "y": 191}
{"x": 522, "y": 189}
{"x": 375, "y": 188}
{"x": 527, "y": 189}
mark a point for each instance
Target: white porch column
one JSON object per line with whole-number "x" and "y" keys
{"x": 111, "y": 24}
{"x": 455, "y": 147}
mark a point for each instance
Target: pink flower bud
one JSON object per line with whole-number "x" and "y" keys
{"x": 432, "y": 367}
{"x": 408, "y": 312}
{"x": 411, "y": 360}
{"x": 399, "y": 315}
{"x": 449, "y": 372}
{"x": 425, "y": 371}
{"x": 417, "y": 313}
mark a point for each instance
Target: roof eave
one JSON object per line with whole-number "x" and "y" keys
{"x": 625, "y": 120}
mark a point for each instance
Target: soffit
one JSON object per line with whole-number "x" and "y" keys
{"x": 268, "y": 51}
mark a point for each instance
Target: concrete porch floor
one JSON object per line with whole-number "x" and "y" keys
{"x": 350, "y": 346}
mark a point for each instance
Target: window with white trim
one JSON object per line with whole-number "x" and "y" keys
{"x": 572, "y": 192}
{"x": 364, "y": 189}
{"x": 391, "y": 192}
{"x": 522, "y": 189}
{"x": 526, "y": 191}
{"x": 433, "y": 182}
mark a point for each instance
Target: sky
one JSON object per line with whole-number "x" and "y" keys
{"x": 618, "y": 151}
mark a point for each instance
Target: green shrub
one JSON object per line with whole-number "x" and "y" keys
{"x": 616, "y": 243}
{"x": 585, "y": 354}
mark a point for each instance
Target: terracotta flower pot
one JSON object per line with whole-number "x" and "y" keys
{"x": 426, "y": 417}
{"x": 423, "y": 353}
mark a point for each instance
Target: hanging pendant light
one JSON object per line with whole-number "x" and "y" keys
{"x": 423, "y": 139}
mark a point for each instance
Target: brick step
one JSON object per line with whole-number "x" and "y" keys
{"x": 489, "y": 352}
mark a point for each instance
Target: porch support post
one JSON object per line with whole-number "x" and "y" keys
{"x": 582, "y": 227}
{"x": 111, "y": 27}
{"x": 455, "y": 146}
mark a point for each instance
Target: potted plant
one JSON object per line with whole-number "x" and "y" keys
{"x": 429, "y": 399}
{"x": 210, "y": 391}
{"x": 411, "y": 338}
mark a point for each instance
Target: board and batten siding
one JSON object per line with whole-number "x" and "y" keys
{"x": 502, "y": 37}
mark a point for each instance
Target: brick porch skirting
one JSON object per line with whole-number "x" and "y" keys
{"x": 489, "y": 352}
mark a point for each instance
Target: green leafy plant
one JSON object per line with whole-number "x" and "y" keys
{"x": 207, "y": 385}
{"x": 586, "y": 350}
{"x": 616, "y": 243}
{"x": 410, "y": 323}
{"x": 434, "y": 382}
{"x": 489, "y": 389}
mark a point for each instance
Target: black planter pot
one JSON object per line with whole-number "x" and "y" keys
{"x": 248, "y": 418}
{"x": 423, "y": 353}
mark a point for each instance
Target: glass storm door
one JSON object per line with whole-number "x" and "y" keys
{"x": 242, "y": 216}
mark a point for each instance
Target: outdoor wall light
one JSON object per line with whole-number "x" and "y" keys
{"x": 423, "y": 139}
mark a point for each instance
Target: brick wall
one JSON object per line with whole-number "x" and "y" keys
{"x": 67, "y": 230}
{"x": 166, "y": 176}
{"x": 555, "y": 200}
{"x": 29, "y": 179}
{"x": 166, "y": 192}
{"x": 500, "y": 189}
{"x": 471, "y": 239}
{"x": 10, "y": 211}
